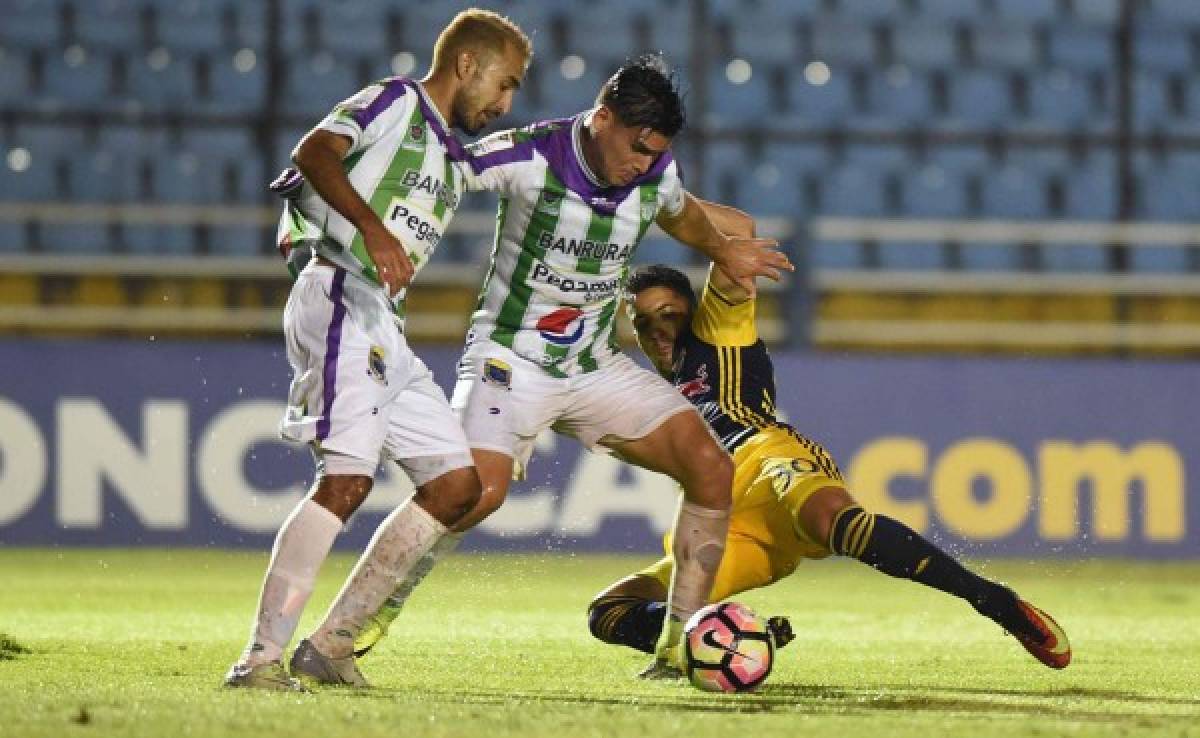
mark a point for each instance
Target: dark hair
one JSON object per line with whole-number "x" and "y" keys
{"x": 661, "y": 275}
{"x": 645, "y": 93}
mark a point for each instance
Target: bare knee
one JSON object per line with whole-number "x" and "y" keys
{"x": 819, "y": 511}
{"x": 451, "y": 496}
{"x": 710, "y": 478}
{"x": 342, "y": 494}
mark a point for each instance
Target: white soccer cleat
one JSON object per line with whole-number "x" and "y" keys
{"x": 271, "y": 676}
{"x": 308, "y": 662}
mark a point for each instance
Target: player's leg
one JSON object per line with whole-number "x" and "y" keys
{"x": 322, "y": 346}
{"x": 830, "y": 514}
{"x": 425, "y": 438}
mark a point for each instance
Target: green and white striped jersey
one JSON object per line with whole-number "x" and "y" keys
{"x": 402, "y": 160}
{"x": 563, "y": 243}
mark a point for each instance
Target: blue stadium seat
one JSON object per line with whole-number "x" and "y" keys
{"x": 1004, "y": 45}
{"x": 286, "y": 139}
{"x": 1013, "y": 192}
{"x": 1151, "y": 106}
{"x": 77, "y": 80}
{"x": 561, "y": 96}
{"x": 836, "y": 255}
{"x": 31, "y": 24}
{"x": 818, "y": 106}
{"x": 788, "y": 11}
{"x": 883, "y": 157}
{"x": 925, "y": 45}
{"x": 1074, "y": 257}
{"x": 1041, "y": 161}
{"x": 933, "y": 192}
{"x": 662, "y": 251}
{"x": 748, "y": 104}
{"x": 839, "y": 42}
{"x": 1083, "y": 49}
{"x": 1158, "y": 259}
{"x": 1163, "y": 50}
{"x": 669, "y": 29}
{"x": 1168, "y": 193}
{"x": 15, "y": 80}
{"x": 237, "y": 82}
{"x": 854, "y": 191}
{"x": 980, "y": 99}
{"x": 1097, "y": 12}
{"x": 109, "y": 24}
{"x": 298, "y": 18}
{"x": 897, "y": 98}
{"x": 1061, "y": 101}
{"x": 101, "y": 177}
{"x": 870, "y": 11}
{"x": 190, "y": 26}
{"x": 314, "y": 84}
{"x": 961, "y": 159}
{"x": 1182, "y": 12}
{"x": 765, "y": 39}
{"x": 1029, "y": 11}
{"x": 161, "y": 81}
{"x": 584, "y": 22}
{"x": 770, "y": 189}
{"x": 125, "y": 140}
{"x": 250, "y": 25}
{"x": 186, "y": 178}
{"x": 1090, "y": 191}
{"x": 912, "y": 255}
{"x": 977, "y": 256}
{"x": 354, "y": 27}
{"x": 949, "y": 10}
{"x": 55, "y": 141}
{"x": 727, "y": 164}
{"x": 35, "y": 182}
{"x": 798, "y": 158}
{"x": 14, "y": 237}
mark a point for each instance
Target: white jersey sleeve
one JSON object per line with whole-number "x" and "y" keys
{"x": 367, "y": 116}
{"x": 495, "y": 162}
{"x": 670, "y": 191}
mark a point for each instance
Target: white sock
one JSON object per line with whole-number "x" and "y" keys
{"x": 301, "y": 546}
{"x": 698, "y": 547}
{"x": 399, "y": 543}
{"x": 443, "y": 548}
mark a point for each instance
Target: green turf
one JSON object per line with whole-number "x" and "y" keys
{"x": 134, "y": 643}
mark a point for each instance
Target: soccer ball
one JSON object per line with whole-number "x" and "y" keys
{"x": 728, "y": 648}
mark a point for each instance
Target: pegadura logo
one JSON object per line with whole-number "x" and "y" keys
{"x": 562, "y": 327}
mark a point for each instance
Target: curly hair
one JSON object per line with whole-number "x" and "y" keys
{"x": 644, "y": 92}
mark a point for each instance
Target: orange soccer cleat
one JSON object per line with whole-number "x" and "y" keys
{"x": 1053, "y": 649}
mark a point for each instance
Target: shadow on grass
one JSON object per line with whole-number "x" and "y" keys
{"x": 1073, "y": 703}
{"x": 10, "y": 648}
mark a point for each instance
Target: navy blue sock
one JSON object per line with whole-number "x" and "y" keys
{"x": 627, "y": 621}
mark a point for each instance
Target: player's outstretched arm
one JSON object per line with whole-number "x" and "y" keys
{"x": 741, "y": 258}
{"x": 732, "y": 222}
{"x": 319, "y": 158}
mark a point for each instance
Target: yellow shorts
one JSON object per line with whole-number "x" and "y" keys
{"x": 775, "y": 472}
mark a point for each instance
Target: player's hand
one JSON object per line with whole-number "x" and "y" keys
{"x": 743, "y": 259}
{"x": 392, "y": 264}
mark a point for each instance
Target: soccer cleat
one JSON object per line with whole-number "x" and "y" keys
{"x": 1052, "y": 649}
{"x": 309, "y": 663}
{"x": 661, "y": 670}
{"x": 780, "y": 629}
{"x": 372, "y": 633}
{"x": 270, "y": 675}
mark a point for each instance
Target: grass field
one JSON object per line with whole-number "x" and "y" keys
{"x": 134, "y": 643}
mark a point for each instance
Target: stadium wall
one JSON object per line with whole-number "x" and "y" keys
{"x": 173, "y": 443}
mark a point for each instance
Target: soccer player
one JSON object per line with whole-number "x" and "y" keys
{"x": 375, "y": 190}
{"x": 576, "y": 197}
{"x": 789, "y": 500}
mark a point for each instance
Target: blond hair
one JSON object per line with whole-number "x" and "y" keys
{"x": 481, "y": 31}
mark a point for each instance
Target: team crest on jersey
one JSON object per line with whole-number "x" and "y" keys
{"x": 416, "y": 132}
{"x": 376, "y": 367}
{"x": 497, "y": 372}
{"x": 562, "y": 327}
{"x": 697, "y": 386}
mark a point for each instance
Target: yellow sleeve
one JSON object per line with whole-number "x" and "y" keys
{"x": 722, "y": 322}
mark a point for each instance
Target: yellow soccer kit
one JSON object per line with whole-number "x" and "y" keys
{"x": 723, "y": 368}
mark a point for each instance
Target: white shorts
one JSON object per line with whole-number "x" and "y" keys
{"x": 505, "y": 401}
{"x": 358, "y": 389}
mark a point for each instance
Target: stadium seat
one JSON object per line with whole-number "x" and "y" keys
{"x": 1151, "y": 106}
{"x": 819, "y": 106}
{"x": 15, "y": 79}
{"x": 315, "y": 83}
{"x": 668, "y": 29}
{"x": 1041, "y": 161}
{"x": 357, "y": 27}
{"x": 897, "y": 98}
{"x": 1162, "y": 50}
{"x": 770, "y": 189}
{"x": 286, "y": 139}
{"x": 1083, "y": 49}
{"x": 55, "y": 141}
{"x": 980, "y": 99}
{"x": 236, "y": 82}
{"x": 14, "y": 238}
{"x": 1074, "y": 257}
{"x": 1182, "y": 12}
{"x": 961, "y": 159}
{"x": 763, "y": 39}
{"x": 883, "y": 157}
{"x": 1013, "y": 192}
{"x": 1097, "y": 12}
{"x": 249, "y": 25}
{"x": 562, "y": 96}
{"x": 949, "y": 10}
{"x": 190, "y": 26}
{"x": 31, "y": 24}
{"x": 1004, "y": 45}
{"x": 854, "y": 191}
{"x": 912, "y": 255}
{"x": 1168, "y": 193}
{"x": 925, "y": 45}
{"x": 34, "y": 180}
{"x": 797, "y": 158}
{"x": 77, "y": 80}
{"x": 748, "y": 104}
{"x": 582, "y": 23}
{"x": 870, "y": 11}
{"x": 661, "y": 251}
{"x": 726, "y": 165}
{"x": 109, "y": 24}
{"x": 836, "y": 255}
{"x": 161, "y": 82}
{"x": 1028, "y": 11}
{"x": 841, "y": 42}
{"x": 127, "y": 140}
{"x": 1061, "y": 101}
{"x": 933, "y": 192}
